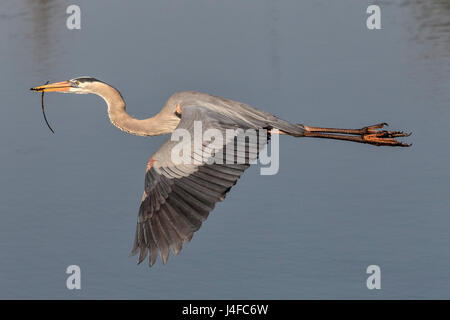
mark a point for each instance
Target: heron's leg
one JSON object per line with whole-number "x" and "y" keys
{"x": 366, "y": 130}
{"x": 369, "y": 134}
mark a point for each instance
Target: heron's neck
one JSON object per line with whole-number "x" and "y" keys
{"x": 121, "y": 119}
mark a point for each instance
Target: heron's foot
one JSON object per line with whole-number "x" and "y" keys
{"x": 373, "y": 135}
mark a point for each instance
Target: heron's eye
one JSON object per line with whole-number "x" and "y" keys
{"x": 77, "y": 82}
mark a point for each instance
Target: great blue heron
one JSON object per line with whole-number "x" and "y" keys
{"x": 178, "y": 198}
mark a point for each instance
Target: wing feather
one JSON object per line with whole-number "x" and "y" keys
{"x": 178, "y": 198}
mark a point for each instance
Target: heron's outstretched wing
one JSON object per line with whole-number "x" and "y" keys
{"x": 179, "y": 197}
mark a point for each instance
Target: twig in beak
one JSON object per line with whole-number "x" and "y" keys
{"x": 43, "y": 111}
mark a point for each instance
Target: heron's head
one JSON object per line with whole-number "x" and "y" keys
{"x": 81, "y": 85}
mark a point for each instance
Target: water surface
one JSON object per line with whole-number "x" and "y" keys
{"x": 308, "y": 232}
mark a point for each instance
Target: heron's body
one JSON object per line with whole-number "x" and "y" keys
{"x": 166, "y": 120}
{"x": 178, "y": 197}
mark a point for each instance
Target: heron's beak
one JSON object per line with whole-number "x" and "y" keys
{"x": 63, "y": 86}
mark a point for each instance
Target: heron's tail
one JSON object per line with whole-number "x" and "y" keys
{"x": 292, "y": 129}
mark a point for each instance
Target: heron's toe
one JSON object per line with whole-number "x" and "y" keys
{"x": 386, "y": 138}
